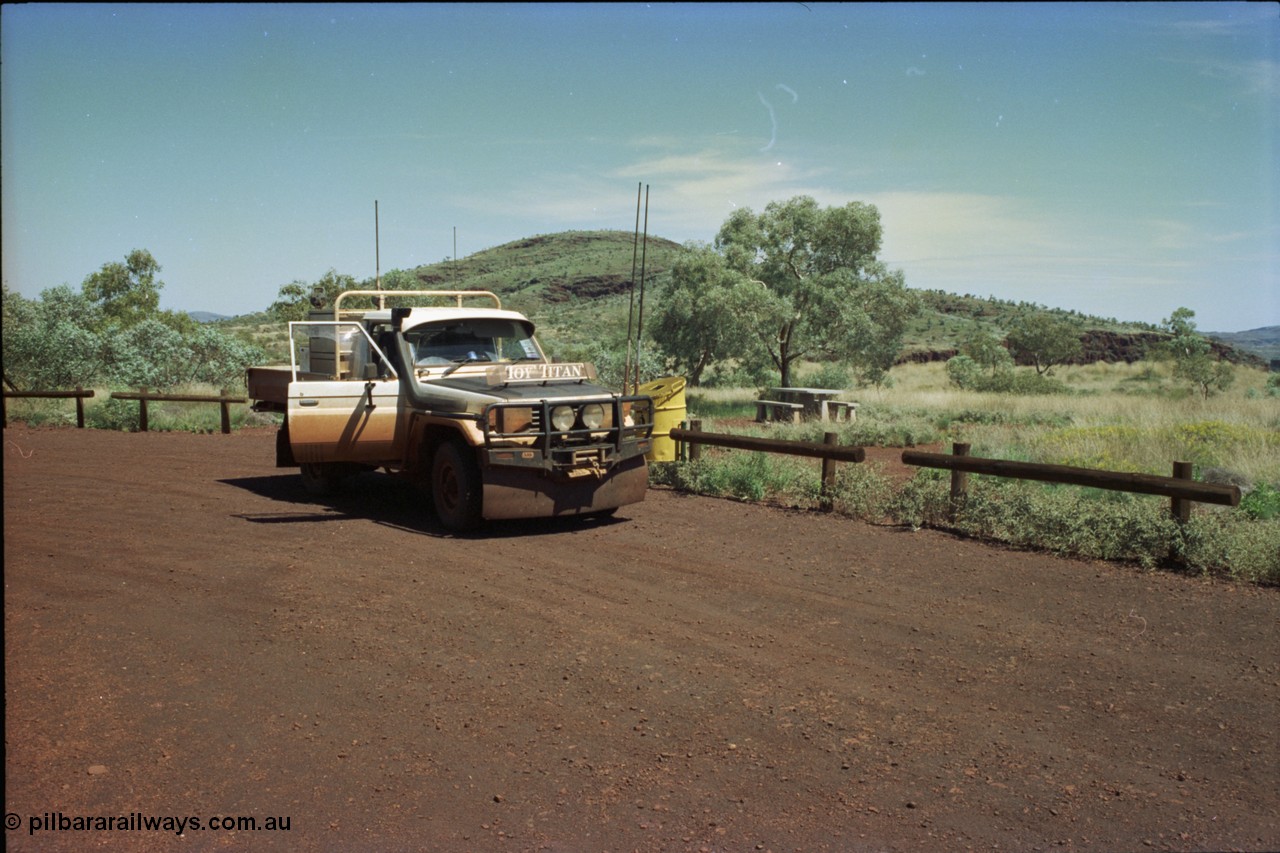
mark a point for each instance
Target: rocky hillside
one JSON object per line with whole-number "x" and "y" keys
{"x": 1103, "y": 345}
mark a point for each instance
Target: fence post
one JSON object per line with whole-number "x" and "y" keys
{"x": 828, "y": 471}
{"x": 693, "y": 449}
{"x": 79, "y": 407}
{"x": 142, "y": 409}
{"x": 226, "y": 411}
{"x": 959, "y": 480}
{"x": 1180, "y": 508}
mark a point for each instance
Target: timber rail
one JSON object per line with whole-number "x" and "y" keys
{"x": 80, "y": 394}
{"x": 1181, "y": 488}
{"x": 812, "y": 449}
{"x": 829, "y": 451}
{"x": 143, "y": 397}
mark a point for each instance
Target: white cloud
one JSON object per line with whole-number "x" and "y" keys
{"x": 690, "y": 193}
{"x": 948, "y": 228}
{"x": 964, "y": 242}
{"x": 1241, "y": 19}
{"x": 1260, "y": 77}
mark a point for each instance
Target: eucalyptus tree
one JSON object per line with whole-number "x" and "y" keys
{"x": 822, "y": 292}
{"x": 1192, "y": 355}
{"x": 1044, "y": 341}
{"x": 297, "y": 298}
{"x": 128, "y": 292}
{"x": 705, "y": 314}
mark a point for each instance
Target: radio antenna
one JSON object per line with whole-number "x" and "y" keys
{"x": 635, "y": 248}
{"x": 377, "y": 259}
{"x": 644, "y": 248}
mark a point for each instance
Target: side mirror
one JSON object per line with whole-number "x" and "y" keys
{"x": 370, "y": 370}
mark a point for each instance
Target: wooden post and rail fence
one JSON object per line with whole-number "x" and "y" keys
{"x": 142, "y": 395}
{"x": 1181, "y": 489}
{"x": 223, "y": 398}
{"x": 830, "y": 451}
{"x": 80, "y": 394}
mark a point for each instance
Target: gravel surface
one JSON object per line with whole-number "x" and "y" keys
{"x": 189, "y": 634}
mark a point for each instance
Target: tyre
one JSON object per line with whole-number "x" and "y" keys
{"x": 456, "y": 489}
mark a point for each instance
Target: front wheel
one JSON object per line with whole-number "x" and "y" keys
{"x": 456, "y": 488}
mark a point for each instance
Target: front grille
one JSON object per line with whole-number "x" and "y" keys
{"x": 527, "y": 425}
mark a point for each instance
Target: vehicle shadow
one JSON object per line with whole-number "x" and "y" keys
{"x": 388, "y": 501}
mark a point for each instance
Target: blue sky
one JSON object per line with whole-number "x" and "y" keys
{"x": 1116, "y": 159}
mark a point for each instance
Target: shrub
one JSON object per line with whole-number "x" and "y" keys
{"x": 925, "y": 499}
{"x": 123, "y": 415}
{"x": 1261, "y": 503}
{"x": 967, "y": 374}
{"x": 1243, "y": 548}
{"x": 830, "y": 376}
{"x": 746, "y": 475}
{"x": 860, "y": 491}
{"x": 964, "y": 372}
{"x": 1069, "y": 521}
{"x": 149, "y": 354}
{"x": 729, "y": 375}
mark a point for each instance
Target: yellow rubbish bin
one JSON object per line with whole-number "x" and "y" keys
{"x": 668, "y": 411}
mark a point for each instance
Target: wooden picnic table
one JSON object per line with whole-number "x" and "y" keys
{"x": 816, "y": 401}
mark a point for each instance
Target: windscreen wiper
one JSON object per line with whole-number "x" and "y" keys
{"x": 469, "y": 358}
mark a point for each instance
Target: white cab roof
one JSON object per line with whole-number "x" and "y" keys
{"x": 419, "y": 316}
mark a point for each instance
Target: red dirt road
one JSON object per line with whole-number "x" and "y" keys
{"x": 187, "y": 633}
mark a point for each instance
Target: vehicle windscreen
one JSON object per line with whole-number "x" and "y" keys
{"x": 459, "y": 341}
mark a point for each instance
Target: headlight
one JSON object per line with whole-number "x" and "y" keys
{"x": 592, "y": 415}
{"x": 562, "y": 418}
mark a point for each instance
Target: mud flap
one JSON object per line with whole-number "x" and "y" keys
{"x": 284, "y": 450}
{"x": 513, "y": 493}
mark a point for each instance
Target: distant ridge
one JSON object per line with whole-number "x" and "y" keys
{"x": 1263, "y": 342}
{"x": 207, "y": 316}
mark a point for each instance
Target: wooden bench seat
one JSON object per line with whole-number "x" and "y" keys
{"x": 839, "y": 410}
{"x": 779, "y": 408}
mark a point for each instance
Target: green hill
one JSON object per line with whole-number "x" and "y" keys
{"x": 577, "y": 286}
{"x": 555, "y": 268}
